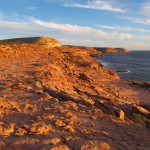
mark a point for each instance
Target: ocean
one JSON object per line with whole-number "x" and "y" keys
{"x": 136, "y": 64}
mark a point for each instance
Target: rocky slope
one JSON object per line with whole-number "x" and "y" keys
{"x": 61, "y": 98}
{"x": 102, "y": 50}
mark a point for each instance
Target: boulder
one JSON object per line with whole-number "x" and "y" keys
{"x": 60, "y": 123}
{"x": 119, "y": 113}
{"x": 140, "y": 110}
{"x": 20, "y": 132}
{"x": 146, "y": 106}
{"x": 88, "y": 145}
{"x": 109, "y": 108}
{"x": 96, "y": 145}
{"x": 6, "y": 130}
{"x": 38, "y": 128}
{"x": 60, "y": 147}
{"x": 54, "y": 141}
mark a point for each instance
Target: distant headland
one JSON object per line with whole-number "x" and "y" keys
{"x": 47, "y": 41}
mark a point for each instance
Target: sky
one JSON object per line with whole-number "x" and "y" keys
{"x": 95, "y": 23}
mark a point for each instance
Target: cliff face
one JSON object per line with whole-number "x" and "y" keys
{"x": 62, "y": 98}
{"x": 112, "y": 50}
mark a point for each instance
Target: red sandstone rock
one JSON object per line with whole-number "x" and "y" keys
{"x": 38, "y": 128}
{"x": 140, "y": 110}
{"x": 60, "y": 147}
{"x": 62, "y": 98}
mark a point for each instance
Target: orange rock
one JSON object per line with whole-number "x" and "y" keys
{"x": 38, "y": 128}
{"x": 6, "y": 130}
{"x": 96, "y": 145}
{"x": 20, "y": 132}
{"x": 48, "y": 90}
{"x": 60, "y": 147}
{"x": 140, "y": 110}
{"x": 60, "y": 123}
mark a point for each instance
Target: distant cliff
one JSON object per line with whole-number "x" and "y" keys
{"x": 91, "y": 51}
{"x": 101, "y": 49}
{"x": 46, "y": 41}
{"x": 112, "y": 50}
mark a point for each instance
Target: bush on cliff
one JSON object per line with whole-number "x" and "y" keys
{"x": 140, "y": 119}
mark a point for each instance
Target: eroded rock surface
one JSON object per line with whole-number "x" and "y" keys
{"x": 62, "y": 98}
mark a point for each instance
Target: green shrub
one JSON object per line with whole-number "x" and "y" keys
{"x": 140, "y": 119}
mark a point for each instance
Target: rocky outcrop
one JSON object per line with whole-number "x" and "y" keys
{"x": 62, "y": 98}
{"x": 112, "y": 50}
{"x": 45, "y": 41}
{"x": 140, "y": 110}
{"x": 91, "y": 51}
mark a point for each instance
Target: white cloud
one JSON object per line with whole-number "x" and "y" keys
{"x": 72, "y": 34}
{"x": 144, "y": 21}
{"x": 123, "y": 28}
{"x": 81, "y": 42}
{"x": 73, "y": 29}
{"x": 146, "y": 9}
{"x": 125, "y": 36}
{"x": 87, "y": 36}
{"x": 31, "y": 8}
{"x": 83, "y": 31}
{"x": 20, "y": 28}
{"x": 98, "y": 4}
{"x": 144, "y": 15}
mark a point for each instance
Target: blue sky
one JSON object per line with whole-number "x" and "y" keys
{"x": 110, "y": 23}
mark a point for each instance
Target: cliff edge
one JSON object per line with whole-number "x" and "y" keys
{"x": 112, "y": 50}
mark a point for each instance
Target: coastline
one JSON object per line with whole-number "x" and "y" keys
{"x": 128, "y": 65}
{"x": 98, "y": 58}
{"x": 60, "y": 97}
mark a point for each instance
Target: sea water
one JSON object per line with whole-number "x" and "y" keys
{"x": 135, "y": 64}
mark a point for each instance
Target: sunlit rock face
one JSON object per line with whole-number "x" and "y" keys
{"x": 60, "y": 98}
{"x": 112, "y": 50}
{"x": 45, "y": 41}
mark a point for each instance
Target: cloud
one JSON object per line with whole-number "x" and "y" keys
{"x": 146, "y": 9}
{"x": 1, "y": 15}
{"x": 81, "y": 42}
{"x": 72, "y": 34}
{"x": 82, "y": 31}
{"x": 125, "y": 36}
{"x": 98, "y": 5}
{"x": 123, "y": 28}
{"x": 31, "y": 8}
{"x": 21, "y": 28}
{"x": 86, "y": 36}
{"x": 73, "y": 29}
{"x": 144, "y": 21}
{"x": 144, "y": 15}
